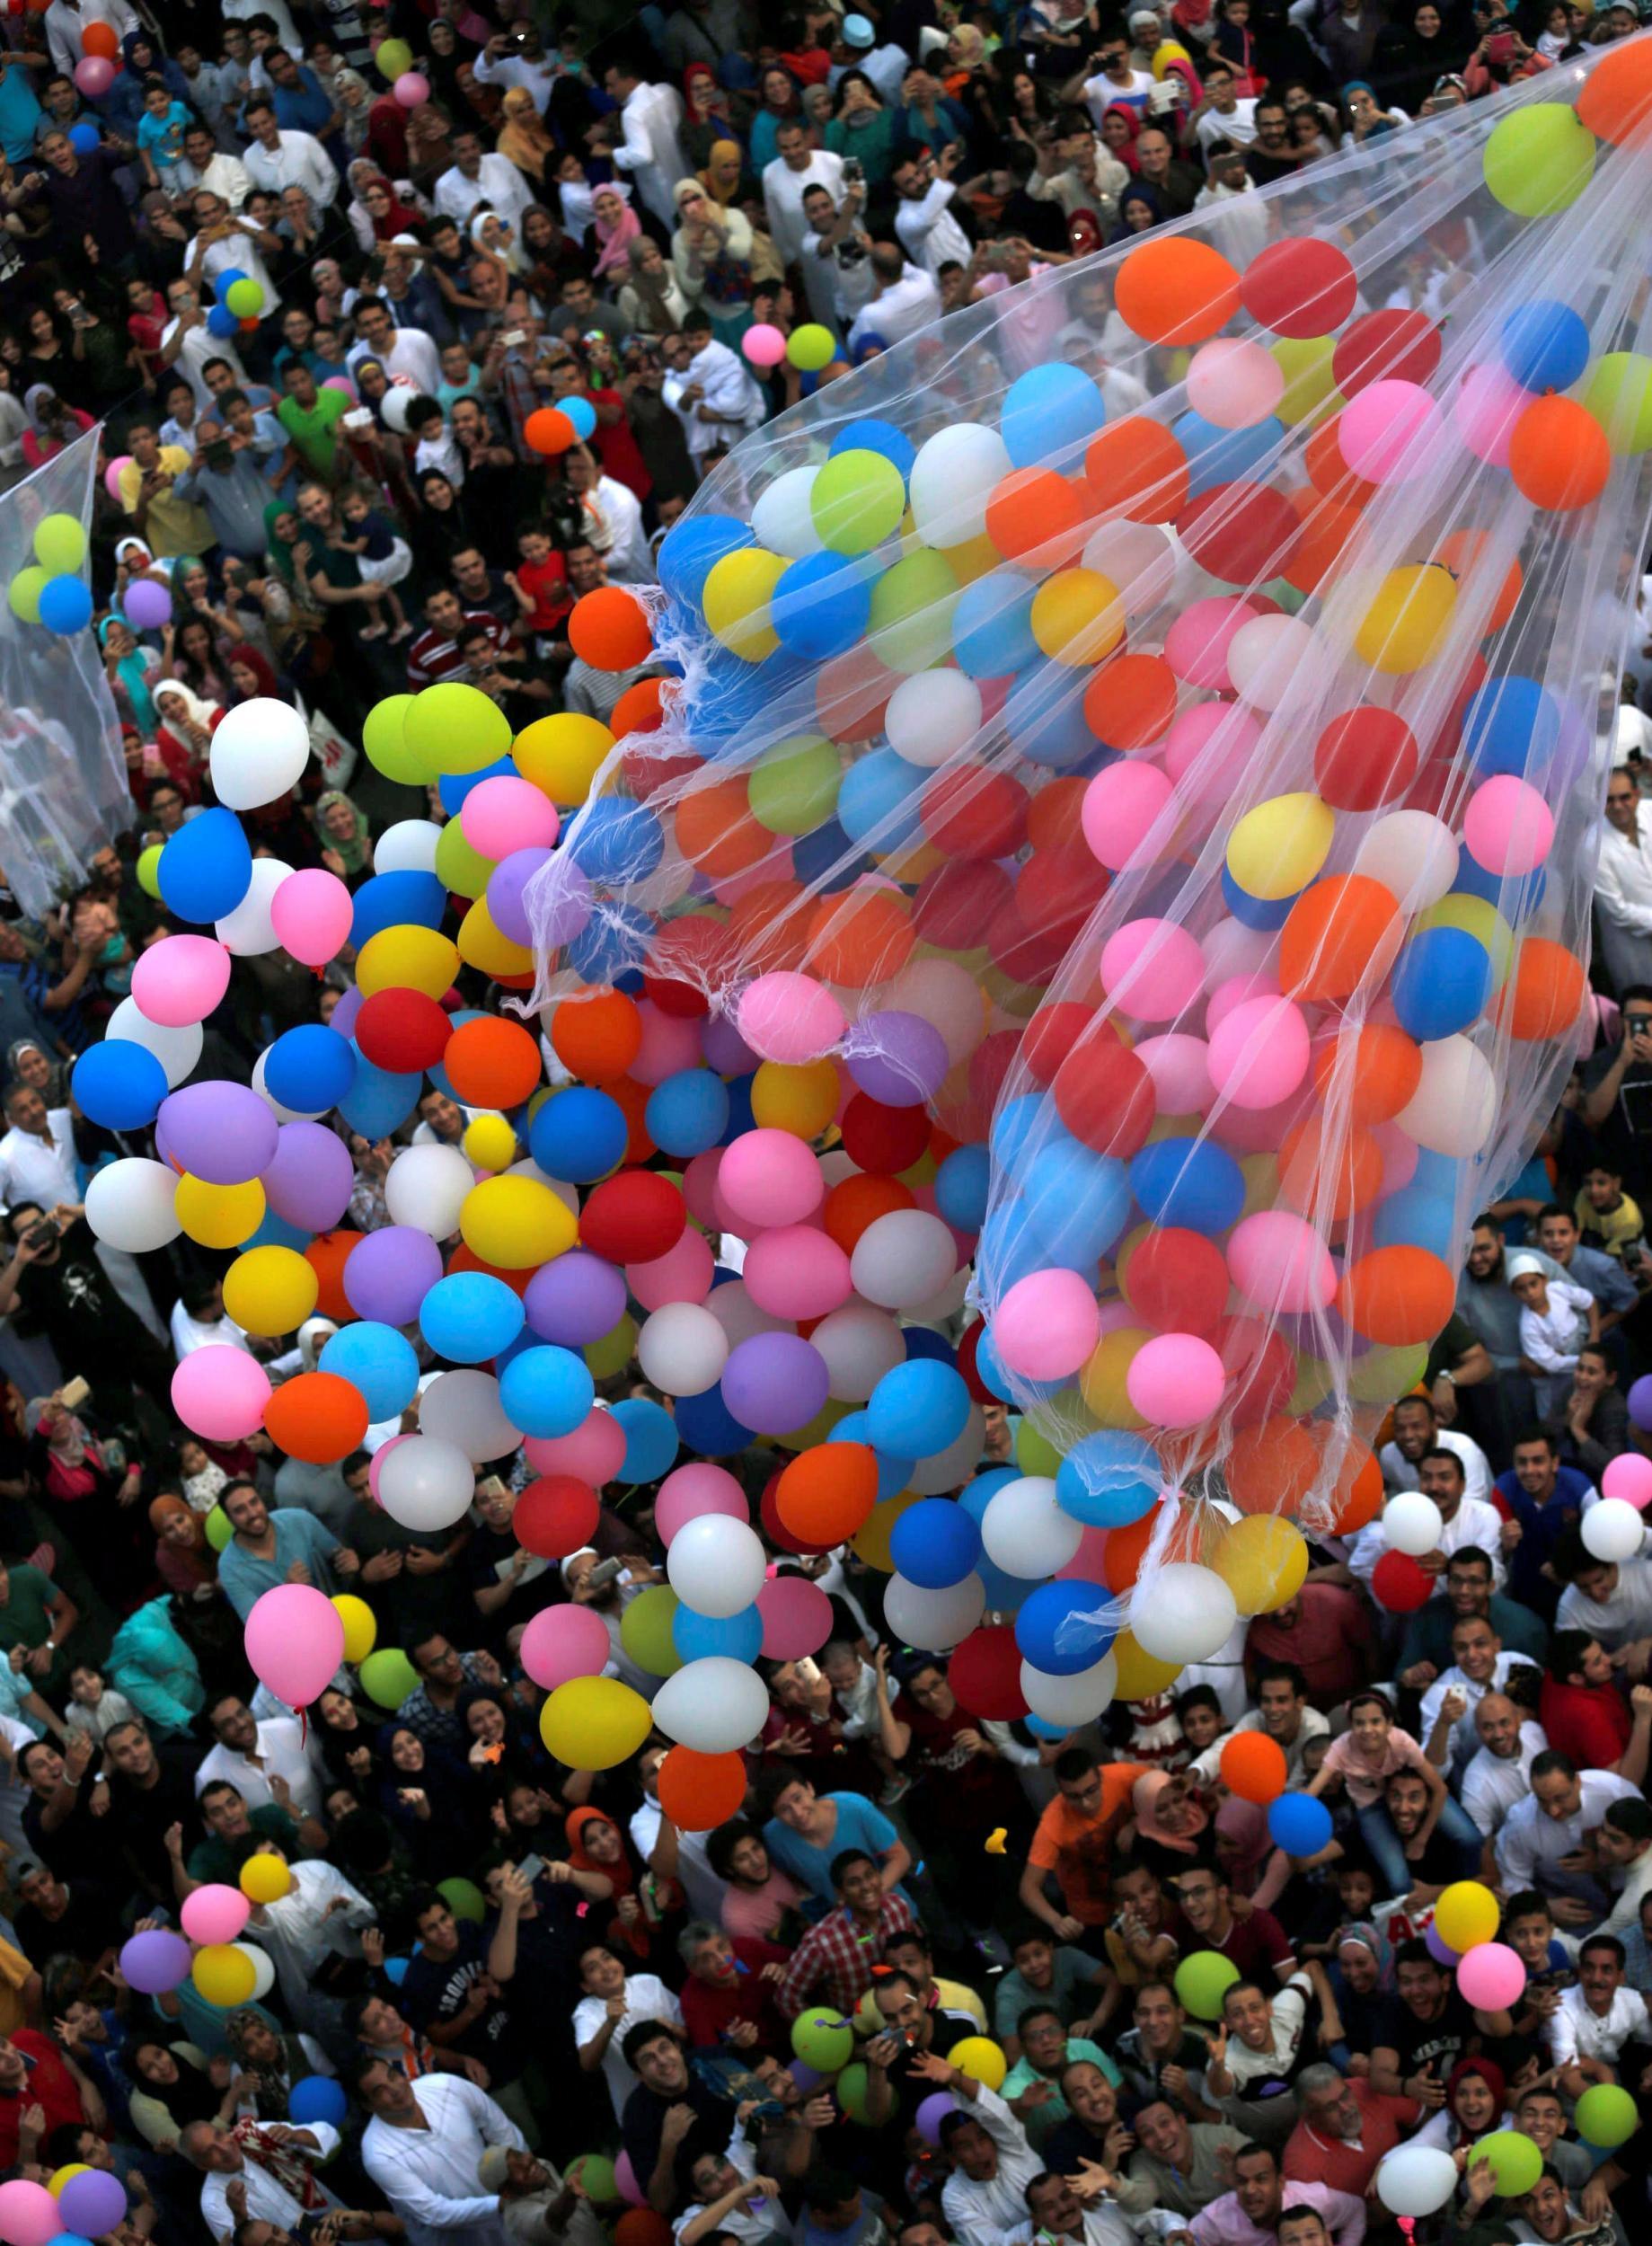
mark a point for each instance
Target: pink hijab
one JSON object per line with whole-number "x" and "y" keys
{"x": 1146, "y": 1796}
{"x": 613, "y": 242}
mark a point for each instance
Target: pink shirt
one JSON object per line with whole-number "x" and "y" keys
{"x": 1366, "y": 1781}
{"x": 755, "y": 1912}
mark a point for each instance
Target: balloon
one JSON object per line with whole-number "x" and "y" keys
{"x": 1299, "y": 1824}
{"x": 119, "y": 1084}
{"x": 1202, "y": 1980}
{"x": 266, "y": 1879}
{"x": 213, "y": 1914}
{"x": 1516, "y": 2162}
{"x": 94, "y": 2202}
{"x": 1612, "y": 1530}
{"x": 131, "y": 1204}
{"x": 220, "y": 1393}
{"x": 1253, "y": 1766}
{"x": 427, "y": 1484}
{"x": 310, "y": 914}
{"x": 318, "y": 2098}
{"x": 1491, "y": 1977}
{"x": 294, "y": 1641}
{"x": 593, "y": 1723}
{"x": 1628, "y": 1477}
{"x": 716, "y": 1565}
{"x": 1411, "y": 1524}
{"x": 179, "y": 981}
{"x": 822, "y": 2040}
{"x": 389, "y": 1678}
{"x": 713, "y": 1705}
{"x": 1416, "y": 2179}
{"x": 223, "y": 1975}
{"x": 360, "y": 1626}
{"x": 153, "y": 1962}
{"x": 1606, "y": 2115}
{"x": 258, "y": 750}
{"x": 1466, "y": 1915}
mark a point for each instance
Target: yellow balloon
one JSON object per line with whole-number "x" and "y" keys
{"x": 1409, "y": 619}
{"x": 1140, "y": 1675}
{"x": 1619, "y": 393}
{"x": 455, "y": 727}
{"x": 406, "y": 959}
{"x": 360, "y": 1632}
{"x": 1277, "y": 848}
{"x": 1466, "y": 1915}
{"x": 266, "y": 1879}
{"x": 1310, "y": 386}
{"x": 393, "y": 58}
{"x": 980, "y": 2059}
{"x": 218, "y": 1216}
{"x": 1314, "y": 1382}
{"x": 490, "y": 1142}
{"x": 870, "y": 1541}
{"x": 801, "y": 1099}
{"x": 593, "y": 1723}
{"x": 271, "y": 1290}
{"x": 561, "y": 755}
{"x": 1382, "y": 1374}
{"x": 384, "y": 739}
{"x": 483, "y": 946}
{"x": 223, "y": 1975}
{"x": 1034, "y": 1453}
{"x": 1262, "y": 1176}
{"x": 613, "y": 1352}
{"x": 516, "y": 1222}
{"x": 1102, "y": 1381}
{"x": 1263, "y": 1560}
{"x": 59, "y": 2176}
{"x": 736, "y": 601}
{"x": 148, "y": 870}
{"x": 1077, "y": 617}
{"x": 976, "y": 557}
{"x": 459, "y": 867}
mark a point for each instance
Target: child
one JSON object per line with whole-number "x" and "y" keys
{"x": 1557, "y": 1320}
{"x": 1607, "y": 1217}
{"x": 383, "y": 558}
{"x": 541, "y": 588}
{"x": 202, "y": 1479}
{"x": 460, "y": 376}
{"x": 146, "y": 321}
{"x": 160, "y": 135}
{"x": 435, "y": 446}
{"x": 92, "y": 1707}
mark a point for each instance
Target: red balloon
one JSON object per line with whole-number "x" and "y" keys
{"x": 1299, "y": 288}
{"x": 883, "y": 1140}
{"x": 1177, "y": 1281}
{"x": 966, "y": 1362}
{"x": 554, "y": 1517}
{"x": 1242, "y": 533}
{"x": 402, "y": 1031}
{"x": 1365, "y": 757}
{"x": 975, "y": 814}
{"x": 1056, "y": 892}
{"x": 1385, "y": 347}
{"x": 633, "y": 1218}
{"x": 955, "y": 901}
{"x": 1105, "y": 1096}
{"x": 986, "y": 1675}
{"x": 1399, "y": 1585}
{"x": 686, "y": 958}
{"x": 1051, "y": 1035}
{"x": 990, "y": 1065}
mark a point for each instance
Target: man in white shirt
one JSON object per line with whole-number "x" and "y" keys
{"x": 985, "y": 2195}
{"x": 796, "y": 167}
{"x": 256, "y": 1758}
{"x": 1499, "y": 1773}
{"x": 1222, "y": 116}
{"x": 613, "y": 2004}
{"x": 275, "y": 159}
{"x": 1594, "y": 2020}
{"x": 408, "y": 351}
{"x": 1417, "y": 1431}
{"x": 1239, "y": 228}
{"x": 1464, "y": 1520}
{"x": 1623, "y": 1847}
{"x": 1612, "y": 1601}
{"x": 836, "y": 256}
{"x": 1623, "y": 883}
{"x": 1548, "y": 1825}
{"x": 708, "y": 379}
{"x": 200, "y": 1321}
{"x": 929, "y": 234}
{"x": 65, "y": 20}
{"x": 423, "y": 2146}
{"x": 689, "y": 1861}
{"x": 517, "y": 58}
{"x": 1111, "y": 81}
{"x": 1284, "y": 1713}
{"x": 886, "y": 65}
{"x": 240, "y": 2185}
{"x": 906, "y": 299}
{"x": 37, "y": 1153}
{"x": 229, "y": 243}
{"x": 476, "y": 176}
{"x": 1480, "y": 1665}
{"x": 649, "y": 154}
{"x": 205, "y": 164}
{"x": 319, "y": 1916}
{"x": 187, "y": 342}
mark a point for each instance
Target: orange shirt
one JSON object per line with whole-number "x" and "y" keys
{"x": 1077, "y": 1845}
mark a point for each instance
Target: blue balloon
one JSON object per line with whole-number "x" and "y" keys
{"x": 691, "y": 548}
{"x": 379, "y": 1102}
{"x": 83, "y": 138}
{"x": 1057, "y": 1630}
{"x": 687, "y": 1113}
{"x": 1255, "y": 912}
{"x": 453, "y": 787}
{"x": 1048, "y": 414}
{"x": 310, "y": 1069}
{"x": 1441, "y": 983}
{"x": 120, "y": 1085}
{"x": 706, "y": 1426}
{"x": 275, "y": 1231}
{"x": 1077, "y": 1202}
{"x": 1545, "y": 345}
{"x": 65, "y": 605}
{"x": 1416, "y": 1218}
{"x": 827, "y": 859}
{"x": 395, "y": 1969}
{"x": 651, "y": 1439}
{"x": 615, "y": 840}
{"x": 1009, "y": 1249}
{"x": 546, "y": 1391}
{"x": 1109, "y": 1480}
{"x": 1224, "y": 456}
{"x": 976, "y": 1496}
{"x": 221, "y": 321}
{"x": 989, "y": 1369}
{"x": 318, "y": 2098}
{"x": 378, "y": 1360}
{"x": 223, "y": 281}
{"x": 1182, "y": 1181}
{"x": 395, "y": 900}
{"x": 880, "y": 798}
{"x": 893, "y": 1473}
{"x": 737, "y": 1637}
{"x": 436, "y": 1072}
{"x": 1037, "y": 1725}
{"x": 205, "y": 869}
{"x": 962, "y": 1183}
{"x": 924, "y": 1341}
{"x": 821, "y": 605}
{"x": 1511, "y": 725}
{"x": 1044, "y": 716}
{"x": 470, "y": 1316}
{"x": 934, "y": 1544}
{"x": 740, "y": 1118}
{"x": 1021, "y": 1130}
{"x": 582, "y": 413}
{"x": 992, "y": 625}
{"x": 917, "y": 1408}
{"x": 1299, "y": 1824}
{"x": 578, "y": 1133}
{"x": 723, "y": 698}
{"x": 871, "y": 435}
{"x": 613, "y": 943}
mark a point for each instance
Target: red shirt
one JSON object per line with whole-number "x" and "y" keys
{"x": 1327, "y": 1641}
{"x": 1589, "y": 1722}
{"x": 1331, "y": 2160}
{"x": 546, "y": 584}
{"x": 709, "y": 2012}
{"x": 615, "y": 445}
{"x": 49, "y": 2084}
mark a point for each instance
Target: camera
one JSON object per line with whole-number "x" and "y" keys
{"x": 42, "y": 1234}
{"x": 854, "y": 171}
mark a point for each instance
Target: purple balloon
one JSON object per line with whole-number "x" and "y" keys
{"x": 725, "y": 1049}
{"x": 390, "y": 1272}
{"x": 344, "y": 1013}
{"x": 1439, "y": 1949}
{"x": 1640, "y": 1402}
{"x": 221, "y": 1132}
{"x": 92, "y": 2204}
{"x": 931, "y": 2113}
{"x": 310, "y": 1181}
{"x": 505, "y": 884}
{"x": 809, "y": 2078}
{"x": 561, "y": 904}
{"x": 774, "y": 1382}
{"x": 897, "y": 1060}
{"x": 147, "y": 605}
{"x": 576, "y": 1300}
{"x": 156, "y": 1961}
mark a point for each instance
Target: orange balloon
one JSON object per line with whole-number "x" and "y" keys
{"x": 1135, "y": 468}
{"x": 697, "y": 1791}
{"x": 1546, "y": 993}
{"x": 597, "y": 1037}
{"x": 548, "y": 429}
{"x": 464, "y": 1258}
{"x": 609, "y": 630}
{"x": 1034, "y": 509}
{"x": 1559, "y": 456}
{"x": 100, "y": 38}
{"x": 328, "y": 1253}
{"x": 1397, "y": 1295}
{"x": 1125, "y": 1548}
{"x": 1253, "y": 1766}
{"x": 1176, "y": 290}
{"x": 1329, "y": 473}
{"x": 639, "y": 709}
{"x": 317, "y": 1417}
{"x": 852, "y": 693}
{"x": 1356, "y": 1495}
{"x": 1341, "y": 932}
{"x": 1375, "y": 1069}
{"x": 856, "y": 1202}
{"x": 859, "y": 936}
{"x": 768, "y": 925}
{"x": 492, "y": 1063}
{"x": 1329, "y": 1164}
{"x": 826, "y": 1493}
{"x": 1327, "y": 529}
{"x": 1052, "y": 814}
{"x": 1271, "y": 1468}
{"x": 1462, "y": 553}
{"x": 641, "y": 2226}
{"x": 1616, "y": 100}
{"x": 716, "y": 831}
{"x": 1130, "y": 702}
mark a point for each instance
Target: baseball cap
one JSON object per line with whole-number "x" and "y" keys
{"x": 858, "y": 31}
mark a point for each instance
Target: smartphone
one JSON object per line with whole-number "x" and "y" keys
{"x": 530, "y": 1868}
{"x": 514, "y": 339}
{"x": 605, "y": 1571}
{"x": 854, "y": 171}
{"x": 42, "y": 1234}
{"x": 73, "y": 1394}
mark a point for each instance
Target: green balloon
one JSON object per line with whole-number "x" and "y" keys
{"x": 1619, "y": 393}
{"x": 850, "y": 2090}
{"x": 1606, "y": 2115}
{"x": 1539, "y": 160}
{"x": 795, "y": 787}
{"x": 823, "y": 2040}
{"x": 910, "y": 628}
{"x": 1203, "y": 1980}
{"x": 59, "y": 544}
{"x": 458, "y": 866}
{"x": 24, "y": 598}
{"x": 219, "y": 1527}
{"x": 1515, "y": 2161}
{"x": 464, "y": 1899}
{"x": 389, "y": 1676}
{"x": 645, "y": 1631}
{"x": 594, "y": 2173}
{"x": 382, "y": 737}
{"x": 857, "y": 500}
{"x": 1034, "y": 1453}
{"x": 244, "y": 298}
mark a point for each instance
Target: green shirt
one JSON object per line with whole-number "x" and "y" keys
{"x": 311, "y": 429}
{"x": 1073, "y": 1990}
{"x": 220, "y": 1860}
{"x": 24, "y": 1618}
{"x": 1039, "y": 2121}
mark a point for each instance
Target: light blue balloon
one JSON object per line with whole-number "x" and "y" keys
{"x": 546, "y": 1391}
{"x": 378, "y": 1360}
{"x": 1049, "y": 414}
{"x": 688, "y": 1112}
{"x": 378, "y": 1101}
{"x": 582, "y": 413}
{"x": 616, "y": 841}
{"x": 691, "y": 548}
{"x": 651, "y": 1439}
{"x": 962, "y": 1183}
{"x": 879, "y": 801}
{"x": 470, "y": 1316}
{"x": 1414, "y": 1217}
{"x": 1044, "y": 716}
{"x": 1109, "y": 1480}
{"x": 893, "y": 1473}
{"x": 612, "y": 943}
{"x": 1226, "y": 455}
{"x": 1077, "y": 1202}
{"x": 871, "y": 435}
{"x": 737, "y": 1636}
{"x": 992, "y": 625}
{"x": 821, "y": 605}
{"x": 918, "y": 1408}
{"x": 66, "y": 605}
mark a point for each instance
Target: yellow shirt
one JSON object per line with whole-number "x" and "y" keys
{"x": 172, "y": 525}
{"x": 1613, "y": 1228}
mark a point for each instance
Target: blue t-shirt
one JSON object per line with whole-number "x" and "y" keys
{"x": 858, "y": 1826}
{"x": 302, "y": 108}
{"x": 244, "y": 1577}
{"x": 162, "y": 136}
{"x": 20, "y": 113}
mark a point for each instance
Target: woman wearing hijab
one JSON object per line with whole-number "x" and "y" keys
{"x": 132, "y": 669}
{"x": 341, "y": 827}
{"x": 706, "y": 119}
{"x": 1361, "y": 1971}
{"x": 442, "y": 527}
{"x": 428, "y": 1798}
{"x": 1120, "y": 129}
{"x": 272, "y": 2065}
{"x": 1476, "y": 2094}
{"x": 617, "y": 227}
{"x": 779, "y": 104}
{"x": 354, "y": 100}
{"x": 187, "y": 724}
{"x": 253, "y": 677}
{"x": 1139, "y": 212}
{"x": 184, "y": 1559}
{"x": 711, "y": 251}
{"x": 1171, "y": 1823}
{"x": 492, "y": 235}
{"x": 523, "y": 139}
{"x": 27, "y": 1062}
{"x": 652, "y": 299}
{"x": 52, "y": 424}
{"x": 723, "y": 172}
{"x": 173, "y": 2085}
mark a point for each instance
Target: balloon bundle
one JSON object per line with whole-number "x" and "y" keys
{"x": 50, "y": 590}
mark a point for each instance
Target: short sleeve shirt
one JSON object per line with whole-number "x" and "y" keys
{"x": 858, "y": 1826}
{"x": 1078, "y": 1848}
{"x": 311, "y": 430}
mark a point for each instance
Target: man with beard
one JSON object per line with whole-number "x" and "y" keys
{"x": 1544, "y": 1499}
{"x": 1324, "y": 1632}
{"x": 1499, "y": 1772}
{"x": 1416, "y": 1432}
{"x": 1480, "y": 1665}
{"x": 1248, "y": 2215}
{"x": 592, "y": 1582}
{"x": 1438, "y": 1474}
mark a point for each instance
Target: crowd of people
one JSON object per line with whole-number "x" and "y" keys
{"x": 486, "y": 1965}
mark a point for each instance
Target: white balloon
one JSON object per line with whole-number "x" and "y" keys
{"x": 463, "y": 1407}
{"x": 1612, "y": 1530}
{"x": 1455, "y": 1104}
{"x": 263, "y": 1969}
{"x": 954, "y": 475}
{"x": 934, "y": 1620}
{"x": 783, "y": 519}
{"x": 682, "y": 1348}
{"x": 1025, "y": 1531}
{"x": 716, "y": 1564}
{"x": 740, "y": 1317}
{"x": 427, "y": 1483}
{"x": 943, "y": 1305}
{"x": 932, "y": 716}
{"x": 394, "y": 406}
{"x": 246, "y": 932}
{"x": 131, "y": 1204}
{"x": 902, "y": 1259}
{"x": 258, "y": 751}
{"x": 282, "y": 1114}
{"x": 715, "y": 1705}
{"x": 407, "y": 847}
{"x": 860, "y": 1345}
{"x": 1232, "y": 949}
{"x": 1416, "y": 2179}
{"x": 1183, "y": 1614}
{"x": 1070, "y": 1700}
{"x": 947, "y": 1470}
{"x": 425, "y": 1186}
{"x": 1413, "y": 854}
{"x": 177, "y": 1050}
{"x": 1273, "y": 658}
{"x": 1411, "y": 1523}
{"x": 1136, "y": 557}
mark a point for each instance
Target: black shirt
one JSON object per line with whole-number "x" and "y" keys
{"x": 139, "y": 1818}
{"x": 438, "y": 1990}
{"x": 644, "y": 2120}
{"x": 1437, "y": 2043}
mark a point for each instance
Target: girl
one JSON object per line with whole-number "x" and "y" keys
{"x": 1363, "y": 1761}
{"x": 203, "y": 1478}
{"x": 184, "y": 1559}
{"x": 617, "y": 227}
{"x": 186, "y": 729}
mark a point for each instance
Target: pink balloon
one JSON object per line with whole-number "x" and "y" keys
{"x": 670, "y": 1044}
{"x": 221, "y": 1393}
{"x": 1196, "y": 646}
{"x": 1232, "y": 384}
{"x": 505, "y": 814}
{"x": 797, "y": 1617}
{"x": 594, "y": 1453}
{"x": 699, "y": 1190}
{"x": 29, "y": 2214}
{"x": 294, "y": 1641}
{"x": 625, "y": 2175}
{"x": 1628, "y": 1477}
{"x": 1508, "y": 825}
{"x": 180, "y": 980}
{"x": 344, "y": 383}
{"x": 1153, "y": 970}
{"x": 682, "y": 1274}
{"x": 1175, "y": 1380}
{"x": 1392, "y": 432}
{"x": 769, "y": 1177}
{"x": 1121, "y": 807}
{"x": 789, "y": 1017}
{"x": 688, "y": 1491}
{"x": 1205, "y": 744}
{"x": 562, "y": 1642}
{"x": 94, "y": 74}
{"x": 1085, "y": 1565}
{"x": 411, "y": 89}
{"x": 1259, "y": 1130}
{"x": 311, "y": 914}
{"x": 381, "y": 1454}
{"x": 763, "y": 345}
{"x": 1400, "y": 1156}
{"x": 1259, "y": 1055}
{"x": 1279, "y": 1263}
{"x": 1235, "y": 991}
{"x": 218, "y": 1912}
{"x": 1487, "y": 406}
{"x": 111, "y": 474}
{"x": 797, "y": 1272}
{"x": 1047, "y": 1325}
{"x": 1180, "y": 1067}
{"x": 1491, "y": 1977}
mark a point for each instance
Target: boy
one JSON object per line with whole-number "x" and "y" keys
{"x": 1606, "y": 1215}
{"x": 460, "y": 376}
{"x": 160, "y": 135}
{"x": 541, "y": 588}
{"x": 434, "y": 443}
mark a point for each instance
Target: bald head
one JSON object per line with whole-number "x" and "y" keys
{"x": 1497, "y": 1720}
